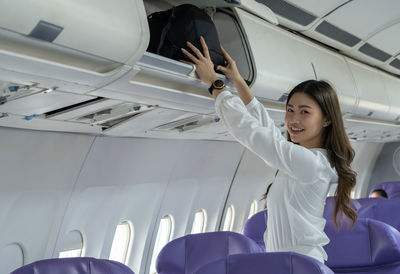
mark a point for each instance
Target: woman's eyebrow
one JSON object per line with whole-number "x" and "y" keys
{"x": 301, "y": 106}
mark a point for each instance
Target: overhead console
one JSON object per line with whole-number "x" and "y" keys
{"x": 91, "y": 57}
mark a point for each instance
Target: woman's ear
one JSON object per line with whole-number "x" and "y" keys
{"x": 326, "y": 123}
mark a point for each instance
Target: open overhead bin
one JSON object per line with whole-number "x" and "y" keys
{"x": 89, "y": 42}
{"x": 173, "y": 84}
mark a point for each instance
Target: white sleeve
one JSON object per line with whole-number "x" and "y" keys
{"x": 266, "y": 140}
{"x": 257, "y": 110}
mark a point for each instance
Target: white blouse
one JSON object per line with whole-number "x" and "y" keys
{"x": 296, "y": 200}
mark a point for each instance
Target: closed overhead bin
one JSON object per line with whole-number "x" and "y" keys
{"x": 373, "y": 100}
{"x": 279, "y": 64}
{"x": 392, "y": 85}
{"x": 333, "y": 68}
{"x": 82, "y": 41}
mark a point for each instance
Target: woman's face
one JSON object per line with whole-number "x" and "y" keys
{"x": 305, "y": 121}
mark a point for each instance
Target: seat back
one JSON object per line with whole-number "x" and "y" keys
{"x": 384, "y": 210}
{"x": 395, "y": 196}
{"x": 255, "y": 227}
{"x": 267, "y": 263}
{"x": 187, "y": 254}
{"x": 369, "y": 245}
{"x": 74, "y": 265}
{"x": 357, "y": 205}
{"x": 391, "y": 188}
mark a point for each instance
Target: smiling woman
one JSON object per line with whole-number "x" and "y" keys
{"x": 316, "y": 154}
{"x": 305, "y": 121}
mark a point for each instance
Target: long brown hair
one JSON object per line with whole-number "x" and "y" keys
{"x": 335, "y": 141}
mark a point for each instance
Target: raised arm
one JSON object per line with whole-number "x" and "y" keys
{"x": 261, "y": 137}
{"x": 267, "y": 141}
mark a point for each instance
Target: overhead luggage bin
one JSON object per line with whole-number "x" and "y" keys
{"x": 392, "y": 85}
{"x": 89, "y": 42}
{"x": 332, "y": 67}
{"x": 278, "y": 64}
{"x": 373, "y": 101}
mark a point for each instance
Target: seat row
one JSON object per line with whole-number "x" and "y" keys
{"x": 372, "y": 246}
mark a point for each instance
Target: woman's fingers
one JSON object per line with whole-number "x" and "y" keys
{"x": 195, "y": 50}
{"x": 190, "y": 56}
{"x": 221, "y": 69}
{"x": 226, "y": 55}
{"x": 205, "y": 48}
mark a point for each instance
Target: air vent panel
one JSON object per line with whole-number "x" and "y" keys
{"x": 375, "y": 53}
{"x": 289, "y": 11}
{"x": 395, "y": 63}
{"x": 337, "y": 34}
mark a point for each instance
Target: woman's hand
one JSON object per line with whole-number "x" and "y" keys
{"x": 231, "y": 71}
{"x": 204, "y": 65}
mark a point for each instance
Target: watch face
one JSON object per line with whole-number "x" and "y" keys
{"x": 219, "y": 84}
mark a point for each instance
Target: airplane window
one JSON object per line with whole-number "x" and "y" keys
{"x": 199, "y": 223}
{"x": 253, "y": 208}
{"x": 229, "y": 218}
{"x": 164, "y": 235}
{"x": 122, "y": 242}
{"x": 72, "y": 245}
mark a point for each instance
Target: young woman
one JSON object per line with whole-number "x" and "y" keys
{"x": 316, "y": 154}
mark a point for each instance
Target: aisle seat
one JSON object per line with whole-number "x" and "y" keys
{"x": 189, "y": 253}
{"x": 81, "y": 265}
{"x": 255, "y": 227}
{"x": 266, "y": 263}
{"x": 370, "y": 247}
{"x": 384, "y": 210}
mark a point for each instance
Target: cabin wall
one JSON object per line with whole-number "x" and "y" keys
{"x": 251, "y": 180}
{"x": 384, "y": 170}
{"x": 55, "y": 183}
{"x": 38, "y": 174}
{"x": 364, "y": 161}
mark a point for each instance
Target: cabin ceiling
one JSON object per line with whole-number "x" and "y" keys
{"x": 367, "y": 30}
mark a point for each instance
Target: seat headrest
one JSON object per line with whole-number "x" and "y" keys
{"x": 384, "y": 210}
{"x": 188, "y": 253}
{"x": 369, "y": 243}
{"x": 391, "y": 188}
{"x": 357, "y": 205}
{"x": 260, "y": 263}
{"x": 395, "y": 196}
{"x": 255, "y": 227}
{"x": 74, "y": 265}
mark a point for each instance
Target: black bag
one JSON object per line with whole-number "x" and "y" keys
{"x": 170, "y": 29}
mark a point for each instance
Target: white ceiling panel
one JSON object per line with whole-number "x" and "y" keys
{"x": 364, "y": 17}
{"x": 317, "y": 7}
{"x": 388, "y": 39}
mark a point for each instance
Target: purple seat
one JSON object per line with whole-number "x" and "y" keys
{"x": 391, "y": 188}
{"x": 357, "y": 205}
{"x": 189, "y": 253}
{"x": 266, "y": 263}
{"x": 395, "y": 196}
{"x": 255, "y": 226}
{"x": 74, "y": 265}
{"x": 370, "y": 247}
{"x": 384, "y": 210}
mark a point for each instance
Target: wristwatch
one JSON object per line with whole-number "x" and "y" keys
{"x": 217, "y": 84}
